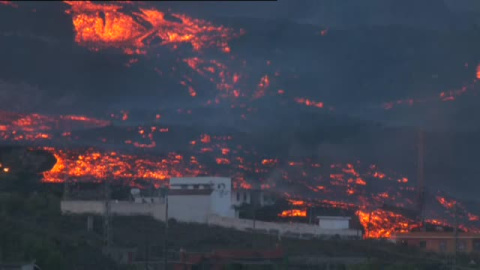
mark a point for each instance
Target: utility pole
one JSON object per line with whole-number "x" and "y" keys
{"x": 106, "y": 215}
{"x": 165, "y": 244}
{"x": 254, "y": 201}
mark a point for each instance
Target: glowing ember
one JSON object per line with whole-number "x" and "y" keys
{"x": 308, "y": 102}
{"x": 9, "y": 3}
{"x": 293, "y": 213}
{"x": 442, "y": 96}
{"x": 262, "y": 87}
{"x": 296, "y": 202}
{"x": 446, "y": 203}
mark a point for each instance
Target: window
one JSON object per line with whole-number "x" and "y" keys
{"x": 245, "y": 196}
{"x": 238, "y": 196}
{"x": 195, "y": 186}
{"x": 476, "y": 244}
{"x": 423, "y": 244}
{"x": 461, "y": 245}
{"x": 443, "y": 245}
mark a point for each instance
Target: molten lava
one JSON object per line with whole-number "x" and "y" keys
{"x": 293, "y": 213}
{"x": 308, "y": 102}
{"x": 99, "y": 26}
{"x": 94, "y": 166}
{"x": 33, "y": 127}
{"x": 444, "y": 96}
{"x": 381, "y": 224}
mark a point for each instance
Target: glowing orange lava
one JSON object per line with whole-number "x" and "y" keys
{"x": 99, "y": 26}
{"x": 381, "y": 223}
{"x": 94, "y": 166}
{"x": 33, "y": 127}
{"x": 293, "y": 213}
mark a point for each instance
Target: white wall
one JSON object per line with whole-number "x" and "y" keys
{"x": 123, "y": 208}
{"x": 334, "y": 223}
{"x": 189, "y": 208}
{"x": 282, "y": 228}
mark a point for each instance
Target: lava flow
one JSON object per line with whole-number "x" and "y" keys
{"x": 443, "y": 96}
{"x": 33, "y": 127}
{"x": 95, "y": 166}
{"x": 99, "y": 26}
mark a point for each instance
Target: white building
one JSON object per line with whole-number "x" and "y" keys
{"x": 193, "y": 199}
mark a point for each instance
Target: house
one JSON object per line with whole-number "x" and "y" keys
{"x": 441, "y": 242}
{"x": 193, "y": 199}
